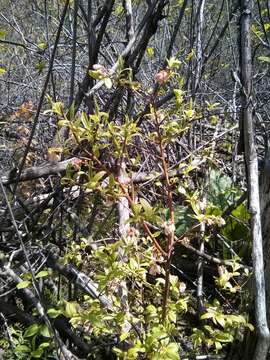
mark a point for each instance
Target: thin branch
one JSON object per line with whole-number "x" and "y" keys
{"x": 35, "y": 121}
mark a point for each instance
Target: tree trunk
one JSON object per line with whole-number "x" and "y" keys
{"x": 265, "y": 216}
{"x": 251, "y": 160}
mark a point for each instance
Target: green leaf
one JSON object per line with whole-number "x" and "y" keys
{"x": 250, "y": 326}
{"x": 218, "y": 345}
{"x": 172, "y": 316}
{"x": 108, "y": 83}
{"x": 37, "y": 353}
{"x": 42, "y": 46}
{"x": 223, "y": 336}
{"x": 237, "y": 318}
{"x": 236, "y": 228}
{"x": 266, "y": 26}
{"x": 57, "y": 108}
{"x": 173, "y": 63}
{"x": 95, "y": 74}
{"x": 133, "y": 264}
{"x": 23, "y": 284}
{"x": 172, "y": 351}
{"x": 150, "y": 51}
{"x": 148, "y": 209}
{"x": 71, "y": 309}
{"x": 220, "y": 192}
{"x": 44, "y": 345}
{"x": 72, "y": 111}
{"x": 124, "y": 336}
{"x": 22, "y": 349}
{"x": 220, "y": 319}
{"x": 42, "y": 274}
{"x": 98, "y": 176}
{"x": 178, "y": 93}
{"x": 151, "y": 310}
{"x": 44, "y": 331}
{"x": 63, "y": 123}
{"x": 264, "y": 59}
{"x": 136, "y": 208}
{"x": 183, "y": 219}
{"x": 145, "y": 204}
{"x": 182, "y": 304}
{"x": 189, "y": 113}
{"x": 53, "y": 313}
{"x": 2, "y": 71}
{"x": 207, "y": 315}
{"x": 3, "y": 33}
{"x": 32, "y": 330}
{"x": 40, "y": 66}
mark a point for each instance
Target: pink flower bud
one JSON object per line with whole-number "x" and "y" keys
{"x": 162, "y": 76}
